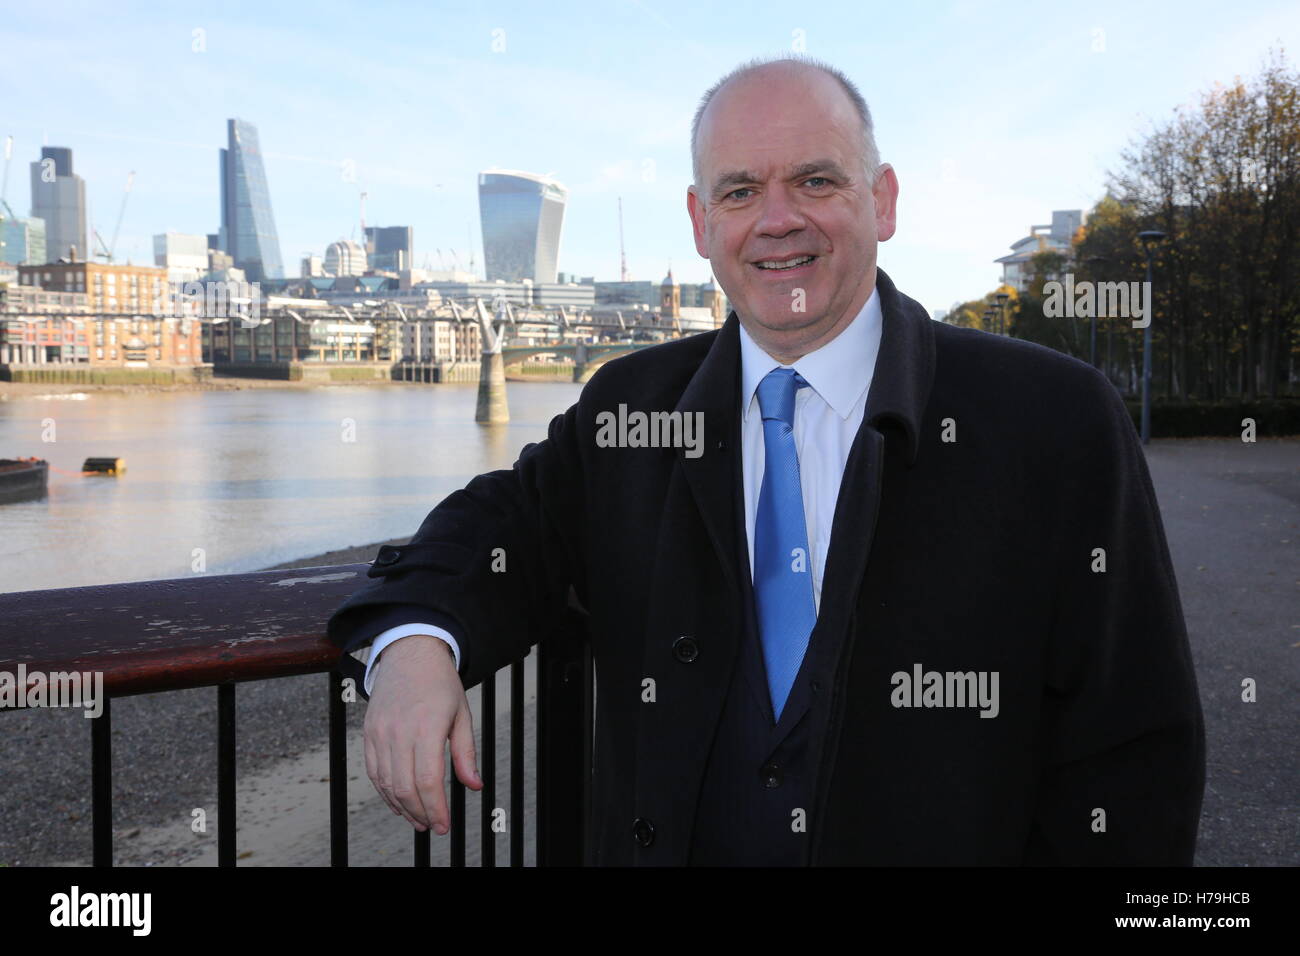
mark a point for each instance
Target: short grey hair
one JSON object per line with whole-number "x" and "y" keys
{"x": 870, "y": 152}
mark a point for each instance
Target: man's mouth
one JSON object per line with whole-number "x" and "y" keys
{"x": 784, "y": 265}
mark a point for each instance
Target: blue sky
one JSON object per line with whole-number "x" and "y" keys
{"x": 993, "y": 114}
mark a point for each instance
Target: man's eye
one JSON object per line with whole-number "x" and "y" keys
{"x": 732, "y": 194}
{"x": 818, "y": 179}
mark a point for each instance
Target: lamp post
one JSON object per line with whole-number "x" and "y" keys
{"x": 988, "y": 319}
{"x": 1002, "y": 304}
{"x": 1149, "y": 238}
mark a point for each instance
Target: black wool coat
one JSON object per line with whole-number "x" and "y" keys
{"x": 995, "y": 515}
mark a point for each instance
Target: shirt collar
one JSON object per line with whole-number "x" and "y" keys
{"x": 840, "y": 371}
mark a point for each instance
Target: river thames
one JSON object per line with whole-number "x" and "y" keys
{"x": 221, "y": 482}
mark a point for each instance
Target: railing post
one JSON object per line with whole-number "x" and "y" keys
{"x": 226, "y": 774}
{"x": 101, "y": 786}
{"x": 487, "y": 766}
{"x": 517, "y": 763}
{"x": 338, "y": 772}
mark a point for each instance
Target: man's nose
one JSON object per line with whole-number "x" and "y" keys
{"x": 779, "y": 212}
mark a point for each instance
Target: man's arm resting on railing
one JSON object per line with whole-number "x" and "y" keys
{"x": 493, "y": 565}
{"x": 396, "y": 634}
{"x": 379, "y": 626}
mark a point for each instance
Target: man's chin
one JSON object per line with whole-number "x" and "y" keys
{"x": 784, "y": 323}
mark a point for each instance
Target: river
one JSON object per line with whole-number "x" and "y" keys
{"x": 231, "y": 481}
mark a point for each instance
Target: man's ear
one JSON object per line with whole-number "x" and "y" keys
{"x": 885, "y": 192}
{"x": 695, "y": 206}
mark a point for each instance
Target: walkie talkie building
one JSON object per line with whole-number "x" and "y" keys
{"x": 247, "y": 226}
{"x": 521, "y": 215}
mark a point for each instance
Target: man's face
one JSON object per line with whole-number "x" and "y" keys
{"x": 782, "y": 179}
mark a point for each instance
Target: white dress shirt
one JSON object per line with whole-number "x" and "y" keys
{"x": 827, "y": 415}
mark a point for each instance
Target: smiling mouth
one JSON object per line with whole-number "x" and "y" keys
{"x": 784, "y": 265}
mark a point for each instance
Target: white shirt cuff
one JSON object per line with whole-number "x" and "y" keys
{"x": 397, "y": 633}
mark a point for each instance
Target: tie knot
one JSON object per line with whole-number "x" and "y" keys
{"x": 776, "y": 394}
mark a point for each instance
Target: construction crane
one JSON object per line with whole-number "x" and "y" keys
{"x": 4, "y": 184}
{"x": 106, "y": 252}
{"x": 4, "y": 191}
{"x": 622, "y": 252}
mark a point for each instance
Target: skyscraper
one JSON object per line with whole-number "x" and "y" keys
{"x": 59, "y": 198}
{"x": 23, "y": 241}
{"x": 389, "y": 247}
{"x": 247, "y": 226}
{"x": 521, "y": 215}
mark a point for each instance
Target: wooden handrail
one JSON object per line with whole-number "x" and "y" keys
{"x": 179, "y": 633}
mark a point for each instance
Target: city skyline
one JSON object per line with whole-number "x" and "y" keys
{"x": 981, "y": 153}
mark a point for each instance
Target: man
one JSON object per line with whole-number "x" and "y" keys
{"x": 908, "y": 601}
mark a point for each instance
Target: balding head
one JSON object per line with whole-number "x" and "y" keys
{"x": 786, "y": 69}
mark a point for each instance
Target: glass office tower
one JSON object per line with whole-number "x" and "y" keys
{"x": 248, "y": 233}
{"x": 390, "y": 247}
{"x": 521, "y": 215}
{"x": 59, "y": 200}
{"x": 24, "y": 242}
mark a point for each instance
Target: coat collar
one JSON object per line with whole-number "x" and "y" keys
{"x": 900, "y": 384}
{"x": 900, "y": 388}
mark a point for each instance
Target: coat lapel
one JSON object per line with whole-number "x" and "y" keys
{"x": 714, "y": 477}
{"x": 888, "y": 441}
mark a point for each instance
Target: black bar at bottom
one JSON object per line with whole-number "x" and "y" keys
{"x": 422, "y": 854}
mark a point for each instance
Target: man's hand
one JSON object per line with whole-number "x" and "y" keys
{"x": 417, "y": 704}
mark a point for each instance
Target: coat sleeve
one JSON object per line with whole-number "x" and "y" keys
{"x": 1121, "y": 747}
{"x": 493, "y": 562}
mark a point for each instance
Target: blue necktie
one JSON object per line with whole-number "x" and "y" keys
{"x": 783, "y": 590}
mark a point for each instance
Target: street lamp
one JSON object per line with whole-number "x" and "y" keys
{"x": 1149, "y": 238}
{"x": 1002, "y": 304}
{"x": 988, "y": 318}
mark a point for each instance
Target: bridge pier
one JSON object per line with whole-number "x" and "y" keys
{"x": 583, "y": 372}
{"x": 492, "y": 406}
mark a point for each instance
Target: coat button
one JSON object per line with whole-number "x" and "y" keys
{"x": 644, "y": 831}
{"x": 772, "y": 776}
{"x": 686, "y": 649}
{"x": 387, "y": 556}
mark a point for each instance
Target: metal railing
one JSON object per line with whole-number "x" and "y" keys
{"x": 222, "y": 630}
